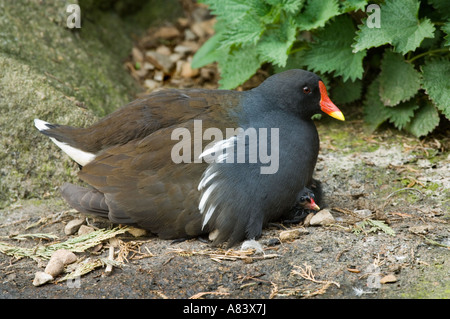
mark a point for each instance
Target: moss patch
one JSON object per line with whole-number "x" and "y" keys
{"x": 432, "y": 283}
{"x": 59, "y": 75}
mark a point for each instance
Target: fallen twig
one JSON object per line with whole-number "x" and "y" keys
{"x": 432, "y": 242}
{"x": 76, "y": 244}
{"x": 404, "y": 189}
{"x": 31, "y": 236}
{"x": 220, "y": 255}
{"x": 306, "y": 273}
{"x": 201, "y": 294}
{"x": 133, "y": 247}
{"x": 112, "y": 244}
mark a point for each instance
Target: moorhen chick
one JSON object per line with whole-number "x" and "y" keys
{"x": 308, "y": 201}
{"x": 153, "y": 163}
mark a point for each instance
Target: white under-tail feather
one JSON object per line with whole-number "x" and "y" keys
{"x": 79, "y": 156}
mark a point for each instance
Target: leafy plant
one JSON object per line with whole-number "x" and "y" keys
{"x": 375, "y": 226}
{"x": 401, "y": 70}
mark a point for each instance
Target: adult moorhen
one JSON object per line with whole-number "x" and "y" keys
{"x": 152, "y": 163}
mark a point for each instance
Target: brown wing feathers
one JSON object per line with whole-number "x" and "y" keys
{"x": 134, "y": 178}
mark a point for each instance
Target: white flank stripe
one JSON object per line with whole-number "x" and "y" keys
{"x": 222, "y": 157}
{"x": 205, "y": 197}
{"x": 205, "y": 174}
{"x": 205, "y": 180}
{"x": 219, "y": 147}
{"x": 208, "y": 215}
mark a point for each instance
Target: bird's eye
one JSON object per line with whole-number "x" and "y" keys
{"x": 306, "y": 90}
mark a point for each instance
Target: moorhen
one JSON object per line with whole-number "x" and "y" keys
{"x": 154, "y": 163}
{"x": 307, "y": 202}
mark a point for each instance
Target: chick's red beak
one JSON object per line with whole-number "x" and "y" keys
{"x": 313, "y": 205}
{"x": 327, "y": 106}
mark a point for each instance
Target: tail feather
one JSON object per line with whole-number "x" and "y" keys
{"x": 84, "y": 200}
{"x": 93, "y": 202}
{"x": 56, "y": 134}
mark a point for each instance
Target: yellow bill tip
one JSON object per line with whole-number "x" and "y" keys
{"x": 337, "y": 115}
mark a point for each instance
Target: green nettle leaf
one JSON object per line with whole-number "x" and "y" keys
{"x": 331, "y": 51}
{"x": 436, "y": 82}
{"x": 249, "y": 33}
{"x": 446, "y": 29}
{"x": 294, "y": 61}
{"x": 400, "y": 27}
{"x": 375, "y": 113}
{"x": 353, "y": 5}
{"x": 209, "y": 52}
{"x": 249, "y": 30}
{"x": 425, "y": 120}
{"x": 399, "y": 81}
{"x": 275, "y": 44}
{"x": 229, "y": 10}
{"x": 238, "y": 66}
{"x": 291, "y": 6}
{"x": 442, "y": 6}
{"x": 401, "y": 114}
{"x": 346, "y": 92}
{"x": 316, "y": 14}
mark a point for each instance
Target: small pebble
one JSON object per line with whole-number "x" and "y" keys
{"x": 73, "y": 226}
{"x": 159, "y": 76}
{"x": 161, "y": 61}
{"x": 363, "y": 213}
{"x": 136, "y": 232}
{"x": 252, "y": 244}
{"x": 162, "y": 49}
{"x": 59, "y": 259}
{"x": 307, "y": 220}
{"x": 388, "y": 279}
{"x": 41, "y": 278}
{"x": 187, "y": 71}
{"x": 167, "y": 33}
{"x": 289, "y": 235}
{"x": 273, "y": 242}
{"x": 189, "y": 35}
{"x": 148, "y": 66}
{"x": 151, "y": 84}
{"x": 54, "y": 267}
{"x": 85, "y": 230}
{"x": 182, "y": 49}
{"x": 66, "y": 256}
{"x": 420, "y": 230}
{"x": 323, "y": 217}
{"x": 138, "y": 56}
